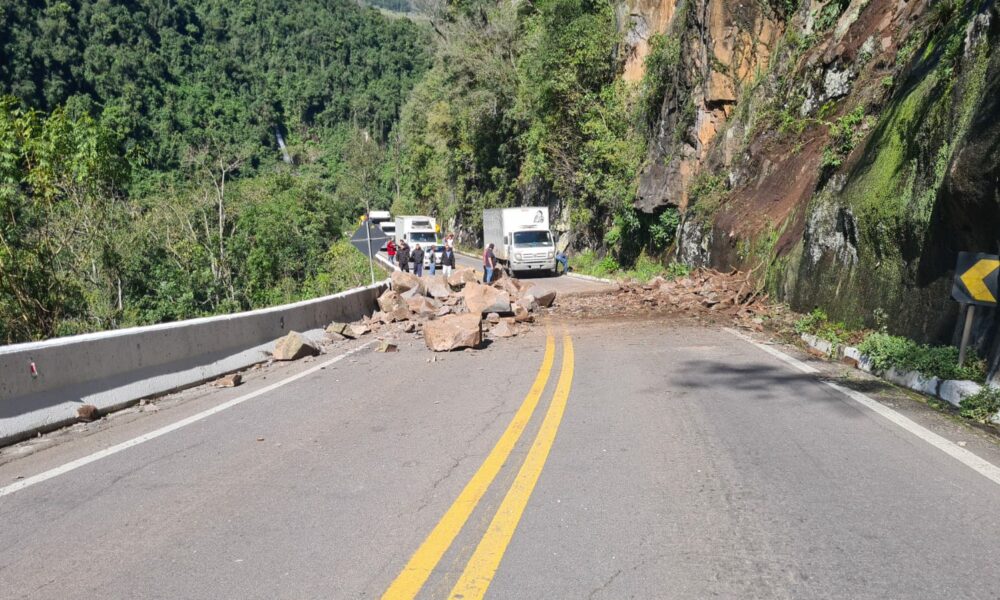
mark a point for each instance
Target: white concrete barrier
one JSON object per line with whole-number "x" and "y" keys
{"x": 43, "y": 383}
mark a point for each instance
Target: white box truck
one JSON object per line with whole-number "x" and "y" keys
{"x": 417, "y": 230}
{"x": 521, "y": 238}
{"x": 383, "y": 219}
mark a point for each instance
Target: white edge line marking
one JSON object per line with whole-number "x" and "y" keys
{"x": 86, "y": 460}
{"x": 974, "y": 462}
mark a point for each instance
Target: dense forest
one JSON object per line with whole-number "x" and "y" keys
{"x": 141, "y": 176}
{"x": 524, "y": 104}
{"x": 820, "y": 145}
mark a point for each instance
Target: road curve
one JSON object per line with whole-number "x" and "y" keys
{"x": 658, "y": 461}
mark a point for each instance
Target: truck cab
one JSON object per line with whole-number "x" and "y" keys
{"x": 521, "y": 238}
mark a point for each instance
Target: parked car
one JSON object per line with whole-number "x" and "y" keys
{"x": 438, "y": 251}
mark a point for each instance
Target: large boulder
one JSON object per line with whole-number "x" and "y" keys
{"x": 481, "y": 299}
{"x": 423, "y": 306}
{"x": 437, "y": 287}
{"x": 508, "y": 285}
{"x": 528, "y": 301}
{"x": 453, "y": 332}
{"x": 461, "y": 277}
{"x": 390, "y": 301}
{"x": 403, "y": 282}
{"x": 293, "y": 347}
{"x": 544, "y": 296}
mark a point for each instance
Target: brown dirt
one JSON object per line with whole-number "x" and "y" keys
{"x": 705, "y": 295}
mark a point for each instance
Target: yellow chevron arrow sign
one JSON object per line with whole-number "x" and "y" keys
{"x": 976, "y": 272}
{"x": 973, "y": 279}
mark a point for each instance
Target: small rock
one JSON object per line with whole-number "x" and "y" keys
{"x": 87, "y": 412}
{"x": 336, "y": 328}
{"x": 503, "y": 330}
{"x": 545, "y": 298}
{"x": 493, "y": 318}
{"x": 231, "y": 380}
{"x": 358, "y": 329}
{"x": 293, "y": 347}
{"x": 387, "y": 347}
{"x": 521, "y": 314}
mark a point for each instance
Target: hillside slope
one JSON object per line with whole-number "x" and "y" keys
{"x": 845, "y": 150}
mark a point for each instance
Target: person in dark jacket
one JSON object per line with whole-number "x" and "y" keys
{"x": 418, "y": 261}
{"x": 403, "y": 256}
{"x": 447, "y": 260}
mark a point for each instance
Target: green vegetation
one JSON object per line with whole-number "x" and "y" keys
{"x": 523, "y": 106}
{"x": 844, "y": 135}
{"x": 644, "y": 269}
{"x": 661, "y": 66}
{"x": 706, "y": 193}
{"x": 818, "y": 323}
{"x": 982, "y": 406}
{"x": 829, "y": 14}
{"x": 140, "y": 175}
{"x": 888, "y": 351}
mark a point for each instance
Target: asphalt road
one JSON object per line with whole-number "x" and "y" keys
{"x": 562, "y": 284}
{"x": 661, "y": 461}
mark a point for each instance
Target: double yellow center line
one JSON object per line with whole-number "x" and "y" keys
{"x": 481, "y": 568}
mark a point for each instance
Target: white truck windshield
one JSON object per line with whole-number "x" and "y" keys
{"x": 422, "y": 237}
{"x": 532, "y": 239}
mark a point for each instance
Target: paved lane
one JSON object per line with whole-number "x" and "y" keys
{"x": 661, "y": 461}
{"x": 562, "y": 284}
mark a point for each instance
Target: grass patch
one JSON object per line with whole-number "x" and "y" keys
{"x": 981, "y": 406}
{"x": 817, "y": 323}
{"x": 888, "y": 351}
{"x": 644, "y": 269}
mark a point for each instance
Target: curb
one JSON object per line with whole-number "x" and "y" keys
{"x": 952, "y": 391}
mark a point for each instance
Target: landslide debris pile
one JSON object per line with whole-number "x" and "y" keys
{"x": 451, "y": 313}
{"x": 703, "y": 293}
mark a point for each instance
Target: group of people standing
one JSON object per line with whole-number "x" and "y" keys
{"x": 402, "y": 255}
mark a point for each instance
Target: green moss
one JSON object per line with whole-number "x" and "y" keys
{"x": 706, "y": 192}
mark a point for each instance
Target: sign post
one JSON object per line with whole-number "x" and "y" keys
{"x": 368, "y": 239}
{"x": 975, "y": 284}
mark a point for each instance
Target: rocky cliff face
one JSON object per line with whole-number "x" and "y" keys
{"x": 721, "y": 46}
{"x": 846, "y": 150}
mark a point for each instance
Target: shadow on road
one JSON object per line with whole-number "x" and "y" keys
{"x": 759, "y": 381}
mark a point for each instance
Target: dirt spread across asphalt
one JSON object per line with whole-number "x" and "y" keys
{"x": 721, "y": 298}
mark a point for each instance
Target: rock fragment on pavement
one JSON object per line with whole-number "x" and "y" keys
{"x": 87, "y": 412}
{"x": 481, "y": 299}
{"x": 390, "y": 301}
{"x": 231, "y": 380}
{"x": 293, "y": 347}
{"x": 453, "y": 332}
{"x": 462, "y": 276}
